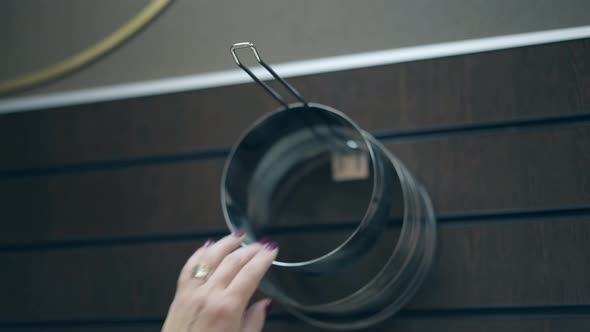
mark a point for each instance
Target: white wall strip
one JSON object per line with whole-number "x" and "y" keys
{"x": 290, "y": 69}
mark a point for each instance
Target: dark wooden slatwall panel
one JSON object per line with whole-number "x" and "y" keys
{"x": 478, "y": 264}
{"x": 463, "y": 174}
{"x": 540, "y": 80}
{"x": 438, "y": 325}
{"x": 102, "y": 203}
{"x": 487, "y": 325}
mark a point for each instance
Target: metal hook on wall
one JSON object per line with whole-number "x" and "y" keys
{"x": 264, "y": 85}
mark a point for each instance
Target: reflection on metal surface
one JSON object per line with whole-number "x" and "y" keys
{"x": 308, "y": 164}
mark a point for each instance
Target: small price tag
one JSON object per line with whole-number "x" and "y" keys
{"x": 350, "y": 165}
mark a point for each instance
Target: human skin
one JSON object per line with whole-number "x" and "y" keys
{"x": 219, "y": 303}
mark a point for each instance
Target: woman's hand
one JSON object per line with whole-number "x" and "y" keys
{"x": 216, "y": 284}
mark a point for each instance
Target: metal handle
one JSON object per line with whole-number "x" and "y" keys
{"x": 266, "y": 87}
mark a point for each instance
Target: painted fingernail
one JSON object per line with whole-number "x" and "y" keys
{"x": 263, "y": 241}
{"x": 268, "y": 307}
{"x": 239, "y": 233}
{"x": 271, "y": 245}
{"x": 208, "y": 243}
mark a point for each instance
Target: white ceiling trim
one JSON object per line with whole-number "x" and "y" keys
{"x": 289, "y": 69}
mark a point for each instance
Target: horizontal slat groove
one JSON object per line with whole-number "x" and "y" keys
{"x": 501, "y": 216}
{"x": 480, "y": 174}
{"x": 114, "y": 164}
{"x": 481, "y": 128}
{"x": 575, "y": 119}
{"x": 543, "y": 80}
{"x": 495, "y": 312}
{"x": 477, "y": 265}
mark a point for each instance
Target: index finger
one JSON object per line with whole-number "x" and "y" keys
{"x": 246, "y": 281}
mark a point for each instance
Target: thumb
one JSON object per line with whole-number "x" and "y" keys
{"x": 256, "y": 315}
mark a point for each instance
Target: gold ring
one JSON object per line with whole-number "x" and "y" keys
{"x": 202, "y": 271}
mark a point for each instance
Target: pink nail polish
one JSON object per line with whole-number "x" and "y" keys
{"x": 239, "y": 233}
{"x": 268, "y": 307}
{"x": 271, "y": 246}
{"x": 263, "y": 241}
{"x": 208, "y": 243}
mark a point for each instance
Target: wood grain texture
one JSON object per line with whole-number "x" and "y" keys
{"x": 456, "y": 325}
{"x": 477, "y": 265}
{"x": 541, "y": 168}
{"x": 541, "y": 80}
{"x": 392, "y": 325}
{"x": 529, "y": 169}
